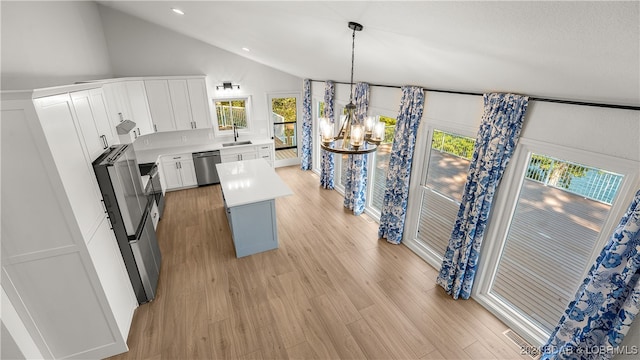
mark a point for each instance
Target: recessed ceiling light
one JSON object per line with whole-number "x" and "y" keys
{"x": 177, "y": 11}
{"x": 246, "y": 49}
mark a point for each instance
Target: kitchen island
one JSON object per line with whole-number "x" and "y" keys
{"x": 249, "y": 190}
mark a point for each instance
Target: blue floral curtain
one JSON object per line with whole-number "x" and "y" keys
{"x": 497, "y": 138}
{"x": 608, "y": 300}
{"x": 356, "y": 183}
{"x": 305, "y": 157}
{"x": 327, "y": 167}
{"x": 396, "y": 194}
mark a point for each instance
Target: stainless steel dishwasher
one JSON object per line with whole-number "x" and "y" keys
{"x": 205, "y": 164}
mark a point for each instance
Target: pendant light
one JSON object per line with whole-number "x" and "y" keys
{"x": 353, "y": 138}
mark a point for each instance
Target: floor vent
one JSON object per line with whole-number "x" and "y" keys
{"x": 525, "y": 347}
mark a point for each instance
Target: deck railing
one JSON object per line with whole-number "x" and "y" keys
{"x": 230, "y": 115}
{"x": 591, "y": 183}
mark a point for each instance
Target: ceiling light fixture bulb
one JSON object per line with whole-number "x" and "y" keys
{"x": 177, "y": 11}
{"x": 246, "y": 49}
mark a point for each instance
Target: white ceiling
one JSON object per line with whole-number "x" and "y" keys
{"x": 586, "y": 51}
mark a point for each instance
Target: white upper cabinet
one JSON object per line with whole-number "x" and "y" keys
{"x": 139, "y": 105}
{"x": 117, "y": 102}
{"x": 160, "y": 105}
{"x": 200, "y": 110}
{"x": 105, "y": 126}
{"x": 127, "y": 100}
{"x": 97, "y": 131}
{"x": 178, "y": 104}
{"x": 181, "y": 104}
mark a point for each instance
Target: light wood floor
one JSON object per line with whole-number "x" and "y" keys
{"x": 332, "y": 290}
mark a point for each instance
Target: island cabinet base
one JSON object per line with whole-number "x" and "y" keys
{"x": 253, "y": 227}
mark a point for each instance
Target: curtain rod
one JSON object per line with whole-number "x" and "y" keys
{"x": 559, "y": 101}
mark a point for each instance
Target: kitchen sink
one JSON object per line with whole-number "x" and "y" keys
{"x": 237, "y": 143}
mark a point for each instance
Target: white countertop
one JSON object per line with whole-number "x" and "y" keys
{"x": 250, "y": 181}
{"x": 151, "y": 155}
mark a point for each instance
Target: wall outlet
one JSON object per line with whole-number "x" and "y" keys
{"x": 184, "y": 138}
{"x": 146, "y": 142}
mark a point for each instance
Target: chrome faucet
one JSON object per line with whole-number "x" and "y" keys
{"x": 235, "y": 133}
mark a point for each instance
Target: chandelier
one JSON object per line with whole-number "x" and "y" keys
{"x": 353, "y": 138}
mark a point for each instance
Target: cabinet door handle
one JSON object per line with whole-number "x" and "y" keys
{"x": 135, "y": 134}
{"x": 177, "y": 165}
{"x": 195, "y": 126}
{"x": 155, "y": 127}
{"x": 104, "y": 141}
{"x": 121, "y": 117}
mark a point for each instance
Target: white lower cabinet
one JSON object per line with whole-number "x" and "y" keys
{"x": 238, "y": 153}
{"x": 178, "y": 171}
{"x": 266, "y": 152}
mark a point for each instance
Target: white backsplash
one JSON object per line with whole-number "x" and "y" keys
{"x": 175, "y": 138}
{"x": 186, "y": 138}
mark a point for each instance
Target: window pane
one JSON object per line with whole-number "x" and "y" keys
{"x": 230, "y": 112}
{"x": 284, "y": 109}
{"x": 449, "y": 161}
{"x": 559, "y": 213}
{"x": 381, "y": 163}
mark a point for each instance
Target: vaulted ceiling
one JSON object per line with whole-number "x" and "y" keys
{"x": 576, "y": 50}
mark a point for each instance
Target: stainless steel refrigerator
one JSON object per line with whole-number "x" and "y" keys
{"x": 128, "y": 211}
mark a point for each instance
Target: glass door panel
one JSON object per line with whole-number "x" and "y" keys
{"x": 284, "y": 116}
{"x": 554, "y": 230}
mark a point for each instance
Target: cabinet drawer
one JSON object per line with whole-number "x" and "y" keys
{"x": 176, "y": 157}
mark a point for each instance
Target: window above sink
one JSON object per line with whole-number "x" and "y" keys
{"x": 232, "y": 111}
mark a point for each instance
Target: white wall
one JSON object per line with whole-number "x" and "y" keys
{"x": 140, "y": 48}
{"x": 382, "y": 98}
{"x": 48, "y": 43}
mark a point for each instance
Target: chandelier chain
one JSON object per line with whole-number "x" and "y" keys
{"x": 353, "y": 54}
